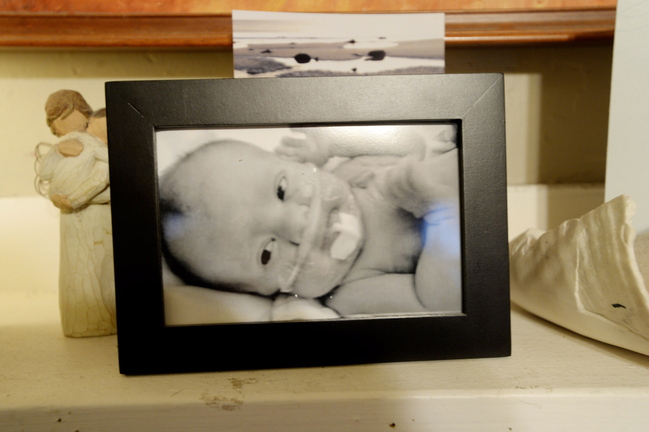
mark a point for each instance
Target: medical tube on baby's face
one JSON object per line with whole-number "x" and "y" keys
{"x": 330, "y": 240}
{"x": 308, "y": 236}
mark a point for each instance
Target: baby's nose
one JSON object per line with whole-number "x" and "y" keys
{"x": 294, "y": 221}
{"x": 304, "y": 193}
{"x": 298, "y": 206}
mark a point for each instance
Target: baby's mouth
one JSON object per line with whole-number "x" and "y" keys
{"x": 331, "y": 227}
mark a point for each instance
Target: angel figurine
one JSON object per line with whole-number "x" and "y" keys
{"x": 73, "y": 174}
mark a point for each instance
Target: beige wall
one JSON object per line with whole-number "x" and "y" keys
{"x": 557, "y": 101}
{"x": 27, "y": 77}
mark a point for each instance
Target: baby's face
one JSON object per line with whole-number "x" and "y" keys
{"x": 97, "y": 127}
{"x": 263, "y": 223}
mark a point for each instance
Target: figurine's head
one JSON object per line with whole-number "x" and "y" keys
{"x": 97, "y": 125}
{"x": 237, "y": 217}
{"x": 67, "y": 111}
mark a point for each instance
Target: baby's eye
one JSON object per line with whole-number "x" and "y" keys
{"x": 281, "y": 188}
{"x": 267, "y": 252}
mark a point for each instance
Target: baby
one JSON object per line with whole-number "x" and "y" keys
{"x": 378, "y": 234}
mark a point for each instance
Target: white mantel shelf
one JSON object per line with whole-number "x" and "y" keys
{"x": 554, "y": 381}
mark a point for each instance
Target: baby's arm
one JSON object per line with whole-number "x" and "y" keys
{"x": 317, "y": 145}
{"x": 435, "y": 287}
{"x": 419, "y": 185}
{"x": 388, "y": 293}
{"x": 429, "y": 189}
{"x": 438, "y": 278}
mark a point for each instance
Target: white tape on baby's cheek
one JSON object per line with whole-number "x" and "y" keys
{"x": 349, "y": 236}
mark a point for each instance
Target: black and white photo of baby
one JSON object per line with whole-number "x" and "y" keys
{"x": 309, "y": 223}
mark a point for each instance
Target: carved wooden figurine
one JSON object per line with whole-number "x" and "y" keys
{"x": 73, "y": 174}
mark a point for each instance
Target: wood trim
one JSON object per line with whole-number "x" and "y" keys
{"x": 95, "y": 31}
{"x": 529, "y": 26}
{"x": 215, "y": 30}
{"x": 225, "y": 7}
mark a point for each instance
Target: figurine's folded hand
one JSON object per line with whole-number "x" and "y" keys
{"x": 61, "y": 201}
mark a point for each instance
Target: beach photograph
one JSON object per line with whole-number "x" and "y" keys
{"x": 287, "y": 44}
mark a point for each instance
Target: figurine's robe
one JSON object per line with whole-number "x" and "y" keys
{"x": 86, "y": 280}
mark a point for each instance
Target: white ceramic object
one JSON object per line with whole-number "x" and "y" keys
{"x": 587, "y": 275}
{"x": 73, "y": 174}
{"x": 86, "y": 279}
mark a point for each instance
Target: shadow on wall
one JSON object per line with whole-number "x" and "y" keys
{"x": 566, "y": 142}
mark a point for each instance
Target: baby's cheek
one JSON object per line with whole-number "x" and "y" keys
{"x": 320, "y": 274}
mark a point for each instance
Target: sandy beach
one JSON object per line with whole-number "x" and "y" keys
{"x": 341, "y": 57}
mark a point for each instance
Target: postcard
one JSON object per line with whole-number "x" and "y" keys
{"x": 287, "y": 44}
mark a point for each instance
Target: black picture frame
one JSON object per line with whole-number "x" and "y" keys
{"x": 136, "y": 110}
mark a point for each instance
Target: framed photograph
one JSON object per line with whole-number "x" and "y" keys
{"x": 363, "y": 216}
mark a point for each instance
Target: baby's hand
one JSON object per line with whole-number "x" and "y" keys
{"x": 289, "y": 308}
{"x": 302, "y": 147}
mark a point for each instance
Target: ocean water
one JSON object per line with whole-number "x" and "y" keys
{"x": 357, "y": 66}
{"x": 361, "y": 65}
